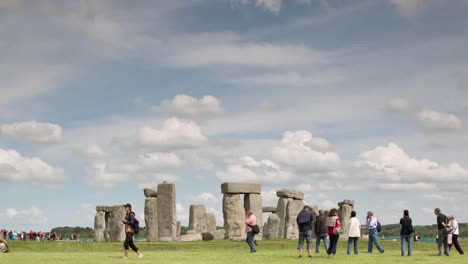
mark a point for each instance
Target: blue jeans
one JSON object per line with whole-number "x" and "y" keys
{"x": 353, "y": 240}
{"x": 373, "y": 240}
{"x": 317, "y": 243}
{"x": 308, "y": 237}
{"x": 408, "y": 239}
{"x": 333, "y": 244}
{"x": 250, "y": 241}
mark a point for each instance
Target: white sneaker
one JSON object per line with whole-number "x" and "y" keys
{"x": 140, "y": 255}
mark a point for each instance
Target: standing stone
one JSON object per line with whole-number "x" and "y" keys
{"x": 271, "y": 230}
{"x": 3, "y": 245}
{"x": 179, "y": 228}
{"x": 151, "y": 218}
{"x": 116, "y": 227}
{"x": 107, "y": 232}
{"x": 197, "y": 218}
{"x": 253, "y": 201}
{"x": 293, "y": 209}
{"x": 99, "y": 226}
{"x": 234, "y": 216}
{"x": 167, "y": 221}
{"x": 344, "y": 213}
{"x": 281, "y": 213}
{"x": 210, "y": 222}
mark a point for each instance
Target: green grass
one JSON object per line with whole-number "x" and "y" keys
{"x": 279, "y": 251}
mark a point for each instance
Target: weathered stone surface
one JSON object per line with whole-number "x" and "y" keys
{"x": 4, "y": 248}
{"x": 116, "y": 227}
{"x": 104, "y": 208}
{"x": 240, "y": 188}
{"x": 286, "y": 193}
{"x": 271, "y": 230}
{"x": 207, "y": 236}
{"x": 197, "y": 218}
{"x": 219, "y": 234}
{"x": 99, "y": 226}
{"x": 179, "y": 228}
{"x": 281, "y": 213}
{"x": 253, "y": 201}
{"x": 269, "y": 209}
{"x": 210, "y": 222}
{"x": 293, "y": 209}
{"x": 344, "y": 213}
{"x": 167, "y": 221}
{"x": 150, "y": 192}
{"x": 151, "y": 218}
{"x": 191, "y": 237}
{"x": 234, "y": 216}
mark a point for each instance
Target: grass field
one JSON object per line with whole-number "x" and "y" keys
{"x": 283, "y": 251}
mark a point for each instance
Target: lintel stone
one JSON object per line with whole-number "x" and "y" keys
{"x": 287, "y": 193}
{"x": 240, "y": 188}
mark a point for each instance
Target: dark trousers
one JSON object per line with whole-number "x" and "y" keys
{"x": 129, "y": 242}
{"x": 456, "y": 244}
{"x": 333, "y": 244}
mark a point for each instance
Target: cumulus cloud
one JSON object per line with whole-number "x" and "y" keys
{"x": 174, "y": 133}
{"x": 188, "y": 106}
{"x": 289, "y": 79}
{"x": 93, "y": 151}
{"x": 247, "y": 169}
{"x": 400, "y": 187}
{"x": 87, "y": 211}
{"x": 269, "y": 197}
{"x": 207, "y": 198}
{"x": 102, "y": 175}
{"x": 159, "y": 160}
{"x": 273, "y": 6}
{"x": 33, "y": 131}
{"x": 33, "y": 215}
{"x": 399, "y": 105}
{"x": 302, "y": 151}
{"x": 439, "y": 120}
{"x": 14, "y": 167}
{"x": 394, "y": 164}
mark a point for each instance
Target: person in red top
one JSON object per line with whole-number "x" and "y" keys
{"x": 333, "y": 224}
{"x": 250, "y": 220}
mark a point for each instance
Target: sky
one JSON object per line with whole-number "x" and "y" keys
{"x": 364, "y": 100}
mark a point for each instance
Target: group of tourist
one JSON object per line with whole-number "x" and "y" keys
{"x": 29, "y": 236}
{"x": 327, "y": 225}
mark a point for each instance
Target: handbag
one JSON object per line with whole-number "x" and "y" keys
{"x": 255, "y": 229}
{"x": 336, "y": 231}
{"x": 411, "y": 229}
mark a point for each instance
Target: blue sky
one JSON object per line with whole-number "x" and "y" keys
{"x": 363, "y": 100}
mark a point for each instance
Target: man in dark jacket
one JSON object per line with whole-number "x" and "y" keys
{"x": 129, "y": 222}
{"x": 321, "y": 231}
{"x": 441, "y": 224}
{"x": 304, "y": 222}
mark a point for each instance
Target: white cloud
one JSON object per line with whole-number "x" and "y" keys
{"x": 409, "y": 8}
{"x": 269, "y": 197}
{"x": 289, "y": 79}
{"x": 396, "y": 165}
{"x": 399, "y": 105}
{"x": 207, "y": 198}
{"x": 439, "y": 120}
{"x": 302, "y": 151}
{"x": 247, "y": 169}
{"x": 182, "y": 214}
{"x": 86, "y": 211}
{"x": 401, "y": 187}
{"x": 305, "y": 187}
{"x": 102, "y": 175}
{"x": 14, "y": 167}
{"x": 188, "y": 106}
{"x": 328, "y": 204}
{"x": 93, "y": 151}
{"x": 174, "y": 133}
{"x": 33, "y": 215}
{"x": 149, "y": 181}
{"x": 273, "y": 6}
{"x": 159, "y": 160}
{"x": 33, "y": 131}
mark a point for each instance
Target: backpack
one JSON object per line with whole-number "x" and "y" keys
{"x": 379, "y": 226}
{"x": 255, "y": 229}
{"x": 136, "y": 225}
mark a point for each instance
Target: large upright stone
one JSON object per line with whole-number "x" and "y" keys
{"x": 293, "y": 209}
{"x": 197, "y": 218}
{"x": 253, "y": 201}
{"x": 116, "y": 227}
{"x": 240, "y": 188}
{"x": 167, "y": 221}
{"x": 281, "y": 213}
{"x": 210, "y": 222}
{"x": 287, "y": 193}
{"x": 151, "y": 218}
{"x": 179, "y": 228}
{"x": 344, "y": 213}
{"x": 3, "y": 245}
{"x": 234, "y": 216}
{"x": 272, "y": 227}
{"x": 99, "y": 226}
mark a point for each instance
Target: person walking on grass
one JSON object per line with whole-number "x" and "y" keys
{"x": 455, "y": 234}
{"x": 442, "y": 221}
{"x": 333, "y": 224}
{"x": 372, "y": 223}
{"x": 354, "y": 232}
{"x": 321, "y": 231}
{"x": 405, "y": 232}
{"x": 129, "y": 222}
{"x": 304, "y": 222}
{"x": 250, "y": 220}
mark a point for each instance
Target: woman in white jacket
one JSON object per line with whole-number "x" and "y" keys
{"x": 354, "y": 232}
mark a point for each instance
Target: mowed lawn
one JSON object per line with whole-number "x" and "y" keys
{"x": 277, "y": 251}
